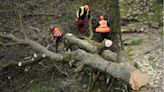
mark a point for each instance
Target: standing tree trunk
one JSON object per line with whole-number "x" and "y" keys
{"x": 115, "y": 25}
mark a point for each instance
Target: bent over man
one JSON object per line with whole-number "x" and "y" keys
{"x": 83, "y": 15}
{"x": 57, "y": 36}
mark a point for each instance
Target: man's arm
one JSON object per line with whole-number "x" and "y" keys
{"x": 108, "y": 22}
{"x": 89, "y": 15}
{"x": 78, "y": 13}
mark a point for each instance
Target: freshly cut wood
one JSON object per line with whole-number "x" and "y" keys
{"x": 108, "y": 43}
{"x": 138, "y": 79}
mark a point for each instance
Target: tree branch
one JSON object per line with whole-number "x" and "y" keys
{"x": 12, "y": 43}
{"x": 20, "y": 19}
{"x": 90, "y": 30}
{"x": 83, "y": 44}
{"x": 123, "y": 71}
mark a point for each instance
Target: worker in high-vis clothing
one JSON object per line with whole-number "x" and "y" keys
{"x": 57, "y": 36}
{"x": 83, "y": 16}
{"x": 103, "y": 29}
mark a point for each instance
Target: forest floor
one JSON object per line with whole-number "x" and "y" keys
{"x": 145, "y": 50}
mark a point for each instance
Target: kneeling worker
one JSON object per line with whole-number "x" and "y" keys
{"x": 103, "y": 29}
{"x": 57, "y": 36}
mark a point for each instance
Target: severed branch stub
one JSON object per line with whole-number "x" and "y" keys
{"x": 108, "y": 43}
{"x": 89, "y": 54}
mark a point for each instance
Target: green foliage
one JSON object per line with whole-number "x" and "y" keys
{"x": 43, "y": 88}
{"x": 97, "y": 87}
{"x": 143, "y": 16}
{"x": 123, "y": 9}
{"x": 151, "y": 58}
{"x": 136, "y": 42}
{"x": 157, "y": 17}
{"x": 129, "y": 52}
{"x": 156, "y": 9}
{"x": 161, "y": 33}
{"x": 40, "y": 88}
{"x": 160, "y": 1}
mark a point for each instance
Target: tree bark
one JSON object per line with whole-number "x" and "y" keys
{"x": 114, "y": 15}
{"x": 109, "y": 55}
{"x": 123, "y": 71}
{"x": 83, "y": 44}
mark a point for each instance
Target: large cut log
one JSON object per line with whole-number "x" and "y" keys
{"x": 123, "y": 71}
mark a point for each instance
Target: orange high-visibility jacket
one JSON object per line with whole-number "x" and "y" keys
{"x": 56, "y": 32}
{"x": 103, "y": 27}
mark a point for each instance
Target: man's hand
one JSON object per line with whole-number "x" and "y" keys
{"x": 55, "y": 34}
{"x": 89, "y": 19}
{"x": 76, "y": 19}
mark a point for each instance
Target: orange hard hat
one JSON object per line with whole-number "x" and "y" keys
{"x": 101, "y": 17}
{"x": 86, "y": 7}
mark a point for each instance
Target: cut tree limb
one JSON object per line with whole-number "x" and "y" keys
{"x": 80, "y": 43}
{"x": 90, "y": 30}
{"x": 83, "y": 44}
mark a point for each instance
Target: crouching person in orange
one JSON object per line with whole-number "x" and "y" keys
{"x": 102, "y": 30}
{"x": 57, "y": 36}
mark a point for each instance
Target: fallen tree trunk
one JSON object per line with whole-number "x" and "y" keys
{"x": 123, "y": 71}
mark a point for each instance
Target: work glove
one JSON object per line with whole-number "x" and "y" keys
{"x": 51, "y": 40}
{"x": 76, "y": 19}
{"x": 90, "y": 19}
{"x": 87, "y": 20}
